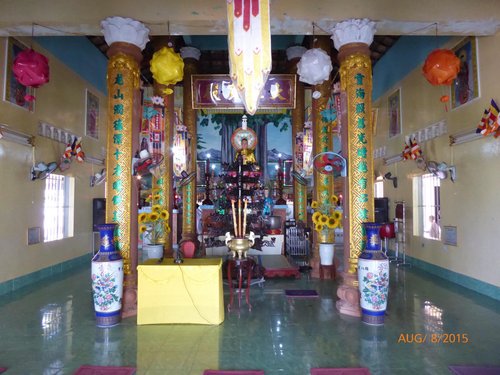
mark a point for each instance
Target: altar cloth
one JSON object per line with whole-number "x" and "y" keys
{"x": 187, "y": 293}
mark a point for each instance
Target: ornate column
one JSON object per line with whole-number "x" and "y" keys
{"x": 165, "y": 180}
{"x": 126, "y": 39}
{"x": 322, "y": 141}
{"x": 190, "y": 55}
{"x": 298, "y": 117}
{"x": 352, "y": 39}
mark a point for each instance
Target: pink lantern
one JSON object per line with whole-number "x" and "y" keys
{"x": 31, "y": 68}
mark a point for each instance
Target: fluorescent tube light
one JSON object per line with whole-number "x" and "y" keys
{"x": 12, "y": 135}
{"x": 393, "y": 159}
{"x": 467, "y": 136}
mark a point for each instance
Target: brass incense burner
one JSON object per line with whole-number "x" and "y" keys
{"x": 240, "y": 246}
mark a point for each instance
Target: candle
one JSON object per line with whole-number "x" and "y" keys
{"x": 234, "y": 219}
{"x": 239, "y": 218}
{"x": 244, "y": 219}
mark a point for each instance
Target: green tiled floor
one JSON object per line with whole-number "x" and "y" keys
{"x": 50, "y": 329}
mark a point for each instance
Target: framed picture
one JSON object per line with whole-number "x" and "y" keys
{"x": 14, "y": 92}
{"x": 466, "y": 86}
{"x": 394, "y": 111}
{"x": 201, "y": 171}
{"x": 91, "y": 115}
{"x": 287, "y": 172}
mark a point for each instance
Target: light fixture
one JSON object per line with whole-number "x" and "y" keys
{"x": 466, "y": 136}
{"x": 393, "y": 159}
{"x": 93, "y": 160}
{"x": 12, "y": 135}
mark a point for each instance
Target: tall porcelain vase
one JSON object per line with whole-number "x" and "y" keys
{"x": 107, "y": 279}
{"x": 373, "y": 277}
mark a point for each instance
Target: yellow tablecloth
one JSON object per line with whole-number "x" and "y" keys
{"x": 187, "y": 293}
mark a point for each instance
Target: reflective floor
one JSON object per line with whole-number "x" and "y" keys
{"x": 50, "y": 329}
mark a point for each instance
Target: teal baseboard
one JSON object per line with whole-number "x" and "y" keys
{"x": 468, "y": 282}
{"x": 32, "y": 278}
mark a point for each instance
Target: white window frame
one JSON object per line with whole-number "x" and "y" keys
{"x": 426, "y": 200}
{"x": 59, "y": 206}
{"x": 378, "y": 187}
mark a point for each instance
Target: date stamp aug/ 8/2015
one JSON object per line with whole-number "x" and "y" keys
{"x": 433, "y": 338}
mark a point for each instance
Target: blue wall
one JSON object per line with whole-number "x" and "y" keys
{"x": 80, "y": 55}
{"x": 408, "y": 53}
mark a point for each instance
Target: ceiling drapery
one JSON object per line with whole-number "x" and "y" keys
{"x": 249, "y": 42}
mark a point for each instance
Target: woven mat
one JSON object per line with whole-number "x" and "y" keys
{"x": 475, "y": 370}
{"x": 340, "y": 371}
{"x": 301, "y": 293}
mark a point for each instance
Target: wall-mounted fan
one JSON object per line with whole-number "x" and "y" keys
{"x": 41, "y": 171}
{"x": 330, "y": 163}
{"x": 388, "y": 176}
{"x": 98, "y": 178}
{"x": 445, "y": 169}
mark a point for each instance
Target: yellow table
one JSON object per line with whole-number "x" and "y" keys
{"x": 190, "y": 292}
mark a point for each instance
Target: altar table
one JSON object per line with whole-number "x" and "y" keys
{"x": 190, "y": 292}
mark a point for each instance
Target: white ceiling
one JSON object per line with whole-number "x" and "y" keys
{"x": 288, "y": 17}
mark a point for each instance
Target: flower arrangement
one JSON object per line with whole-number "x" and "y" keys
{"x": 154, "y": 225}
{"x": 326, "y": 218}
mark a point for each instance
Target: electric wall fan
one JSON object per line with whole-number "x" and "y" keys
{"x": 330, "y": 163}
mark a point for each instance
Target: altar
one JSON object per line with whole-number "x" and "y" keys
{"x": 190, "y": 292}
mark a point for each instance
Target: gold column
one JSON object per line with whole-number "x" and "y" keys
{"x": 165, "y": 181}
{"x": 126, "y": 39}
{"x": 298, "y": 117}
{"x": 190, "y": 56}
{"x": 322, "y": 141}
{"x": 352, "y": 38}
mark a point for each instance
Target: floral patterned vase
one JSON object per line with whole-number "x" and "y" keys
{"x": 107, "y": 279}
{"x": 373, "y": 277}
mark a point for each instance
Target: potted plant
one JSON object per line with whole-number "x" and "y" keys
{"x": 153, "y": 229}
{"x": 326, "y": 218}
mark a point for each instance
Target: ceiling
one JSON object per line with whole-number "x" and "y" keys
{"x": 214, "y": 56}
{"x": 202, "y": 24}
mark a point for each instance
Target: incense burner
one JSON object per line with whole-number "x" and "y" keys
{"x": 240, "y": 246}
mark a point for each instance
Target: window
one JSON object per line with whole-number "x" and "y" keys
{"x": 379, "y": 187}
{"x": 427, "y": 216}
{"x": 58, "y": 211}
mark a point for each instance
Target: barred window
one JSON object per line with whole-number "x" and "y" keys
{"x": 58, "y": 207}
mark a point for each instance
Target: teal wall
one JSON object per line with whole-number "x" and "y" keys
{"x": 80, "y": 55}
{"x": 404, "y": 56}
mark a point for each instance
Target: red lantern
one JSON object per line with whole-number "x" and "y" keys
{"x": 31, "y": 68}
{"x": 441, "y": 67}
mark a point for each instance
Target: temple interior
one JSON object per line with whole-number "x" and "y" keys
{"x": 249, "y": 188}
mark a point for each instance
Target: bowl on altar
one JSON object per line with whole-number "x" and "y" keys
{"x": 273, "y": 231}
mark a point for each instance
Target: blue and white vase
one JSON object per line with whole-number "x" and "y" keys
{"x": 373, "y": 277}
{"x": 107, "y": 279}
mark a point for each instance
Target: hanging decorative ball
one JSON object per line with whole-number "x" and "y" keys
{"x": 444, "y": 99}
{"x": 31, "y": 68}
{"x": 314, "y": 66}
{"x": 441, "y": 67}
{"x": 167, "y": 66}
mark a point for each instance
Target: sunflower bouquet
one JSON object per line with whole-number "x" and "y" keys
{"x": 154, "y": 225}
{"x": 326, "y": 218}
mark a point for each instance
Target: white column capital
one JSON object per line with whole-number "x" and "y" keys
{"x": 353, "y": 31}
{"x": 128, "y": 30}
{"x": 190, "y": 52}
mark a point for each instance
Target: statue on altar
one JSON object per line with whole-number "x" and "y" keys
{"x": 244, "y": 141}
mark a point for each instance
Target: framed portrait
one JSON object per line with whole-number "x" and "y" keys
{"x": 466, "y": 86}
{"x": 394, "y": 111}
{"x": 14, "y": 92}
{"x": 91, "y": 115}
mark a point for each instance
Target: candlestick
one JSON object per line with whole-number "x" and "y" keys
{"x": 234, "y": 219}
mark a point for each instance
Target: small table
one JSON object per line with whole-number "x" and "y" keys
{"x": 331, "y": 268}
{"x": 241, "y": 266}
